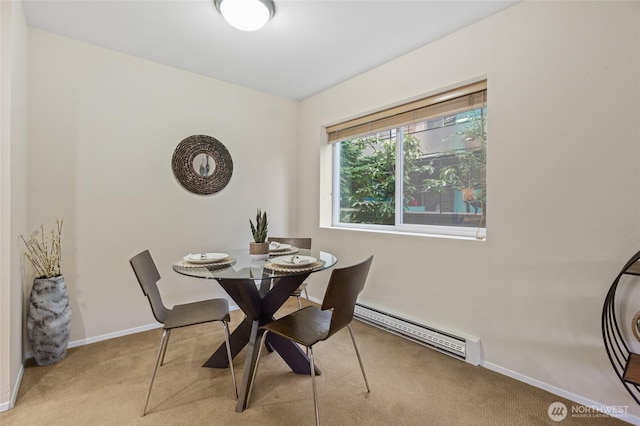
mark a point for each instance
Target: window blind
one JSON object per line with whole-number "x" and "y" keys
{"x": 455, "y": 101}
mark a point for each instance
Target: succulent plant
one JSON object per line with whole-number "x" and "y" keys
{"x": 259, "y": 230}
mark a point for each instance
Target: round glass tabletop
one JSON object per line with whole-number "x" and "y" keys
{"x": 240, "y": 265}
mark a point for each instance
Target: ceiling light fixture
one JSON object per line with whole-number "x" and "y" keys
{"x": 246, "y": 15}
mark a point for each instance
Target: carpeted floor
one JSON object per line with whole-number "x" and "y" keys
{"x": 105, "y": 384}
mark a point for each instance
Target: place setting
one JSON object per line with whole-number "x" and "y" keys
{"x": 293, "y": 262}
{"x": 205, "y": 260}
{"x": 281, "y": 249}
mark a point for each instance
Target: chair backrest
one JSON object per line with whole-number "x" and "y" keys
{"x": 148, "y": 277}
{"x": 342, "y": 292}
{"x": 303, "y": 243}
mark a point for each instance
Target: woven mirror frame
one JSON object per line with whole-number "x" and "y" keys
{"x": 202, "y": 164}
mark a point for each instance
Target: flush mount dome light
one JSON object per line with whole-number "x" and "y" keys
{"x": 246, "y": 15}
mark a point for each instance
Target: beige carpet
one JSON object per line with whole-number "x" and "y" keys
{"x": 105, "y": 384}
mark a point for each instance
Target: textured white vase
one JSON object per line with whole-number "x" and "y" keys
{"x": 49, "y": 319}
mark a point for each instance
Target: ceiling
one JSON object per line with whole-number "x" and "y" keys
{"x": 307, "y": 47}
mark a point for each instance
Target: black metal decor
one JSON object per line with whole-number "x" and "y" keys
{"x": 202, "y": 164}
{"x": 625, "y": 363}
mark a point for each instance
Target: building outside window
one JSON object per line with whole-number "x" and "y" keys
{"x": 419, "y": 167}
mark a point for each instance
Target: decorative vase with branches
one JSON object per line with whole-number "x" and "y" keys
{"x": 49, "y": 314}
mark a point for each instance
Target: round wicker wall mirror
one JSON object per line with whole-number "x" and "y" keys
{"x": 202, "y": 164}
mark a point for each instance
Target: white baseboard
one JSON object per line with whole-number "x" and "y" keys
{"x": 82, "y": 342}
{"x": 113, "y": 335}
{"x": 16, "y": 386}
{"x": 14, "y": 392}
{"x": 596, "y": 406}
{"x": 107, "y": 336}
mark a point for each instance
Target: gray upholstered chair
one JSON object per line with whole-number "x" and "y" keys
{"x": 180, "y": 315}
{"x": 302, "y": 243}
{"x": 312, "y": 324}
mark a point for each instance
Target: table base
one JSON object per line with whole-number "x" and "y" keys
{"x": 259, "y": 300}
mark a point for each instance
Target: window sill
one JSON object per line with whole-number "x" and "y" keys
{"x": 456, "y": 235}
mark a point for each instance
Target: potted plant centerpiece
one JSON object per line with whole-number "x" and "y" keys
{"x": 49, "y": 314}
{"x": 259, "y": 248}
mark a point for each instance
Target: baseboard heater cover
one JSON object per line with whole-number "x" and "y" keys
{"x": 466, "y": 348}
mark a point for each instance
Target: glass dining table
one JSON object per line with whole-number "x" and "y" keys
{"x": 259, "y": 288}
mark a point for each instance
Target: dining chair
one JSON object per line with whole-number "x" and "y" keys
{"x": 183, "y": 315}
{"x": 303, "y": 243}
{"x": 312, "y": 324}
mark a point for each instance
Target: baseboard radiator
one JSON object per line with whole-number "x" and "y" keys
{"x": 465, "y": 348}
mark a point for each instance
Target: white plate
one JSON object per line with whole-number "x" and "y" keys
{"x": 274, "y": 246}
{"x": 293, "y": 260}
{"x": 205, "y": 257}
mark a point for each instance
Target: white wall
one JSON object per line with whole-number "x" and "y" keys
{"x": 103, "y": 129}
{"x": 13, "y": 201}
{"x": 563, "y": 190}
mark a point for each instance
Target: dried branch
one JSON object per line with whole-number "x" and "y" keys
{"x": 45, "y": 253}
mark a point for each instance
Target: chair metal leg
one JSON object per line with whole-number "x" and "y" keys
{"x": 313, "y": 381}
{"x": 366, "y": 382}
{"x": 299, "y": 296}
{"x": 161, "y": 349}
{"x": 255, "y": 369}
{"x": 164, "y": 350}
{"x": 225, "y": 324}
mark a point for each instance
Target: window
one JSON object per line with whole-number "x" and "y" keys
{"x": 419, "y": 167}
